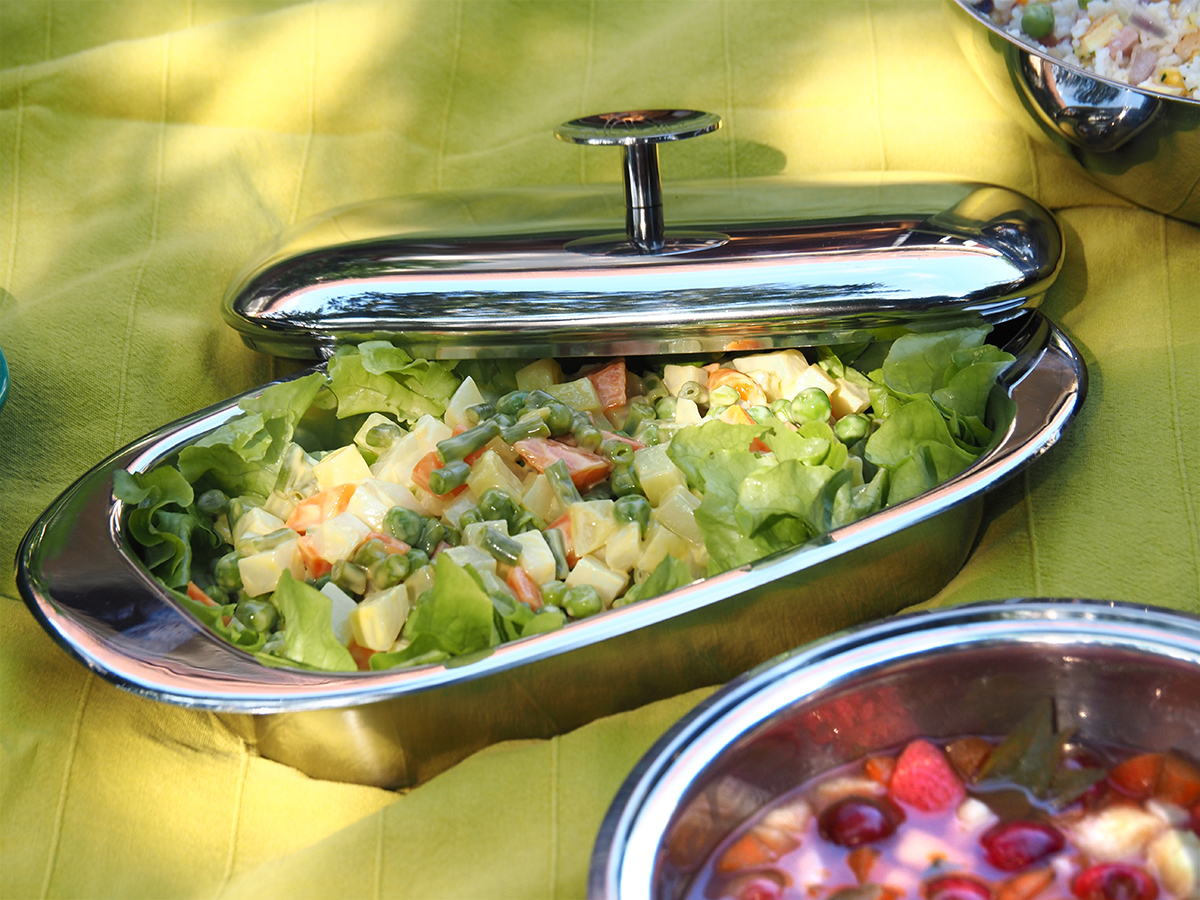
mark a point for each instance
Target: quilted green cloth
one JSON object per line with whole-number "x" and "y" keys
{"x": 147, "y": 149}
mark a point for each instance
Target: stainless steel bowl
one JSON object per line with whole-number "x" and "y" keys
{"x": 1121, "y": 674}
{"x": 1139, "y": 144}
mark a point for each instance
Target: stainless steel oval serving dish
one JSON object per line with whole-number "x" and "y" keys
{"x": 78, "y": 575}
{"x": 1120, "y": 674}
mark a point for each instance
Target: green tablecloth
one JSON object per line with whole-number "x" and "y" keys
{"x": 148, "y": 148}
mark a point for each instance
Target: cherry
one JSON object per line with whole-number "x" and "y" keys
{"x": 759, "y": 887}
{"x": 1114, "y": 881}
{"x": 859, "y": 820}
{"x": 955, "y": 887}
{"x": 1011, "y": 846}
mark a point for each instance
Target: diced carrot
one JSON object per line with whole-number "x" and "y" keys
{"x": 392, "y": 544}
{"x": 968, "y": 755}
{"x": 1179, "y": 781}
{"x": 746, "y": 852}
{"x": 525, "y": 589}
{"x": 326, "y": 504}
{"x": 361, "y": 655}
{"x": 587, "y": 469}
{"x": 758, "y": 446}
{"x": 421, "y": 471}
{"x": 609, "y": 383}
{"x": 880, "y": 768}
{"x": 313, "y": 563}
{"x": 860, "y": 860}
{"x": 193, "y": 591}
{"x": 225, "y": 620}
{"x": 1137, "y": 776}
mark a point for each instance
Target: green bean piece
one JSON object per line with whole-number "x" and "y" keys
{"x": 470, "y": 517}
{"x": 479, "y": 412}
{"x": 852, "y": 428}
{"x": 452, "y": 475}
{"x": 495, "y": 504}
{"x": 531, "y": 425}
{"x": 624, "y": 481}
{"x": 504, "y": 421}
{"x": 239, "y": 506}
{"x": 539, "y": 399}
{"x": 761, "y": 414}
{"x": 588, "y": 437}
{"x": 380, "y": 437}
{"x": 322, "y": 581}
{"x": 226, "y": 572}
{"x": 527, "y": 521}
{"x": 349, "y": 577}
{"x": 638, "y": 413}
{"x": 389, "y": 571}
{"x": 371, "y": 553}
{"x": 417, "y": 559}
{"x": 1038, "y": 20}
{"x": 433, "y": 534}
{"x": 666, "y": 407}
{"x": 548, "y": 618}
{"x": 560, "y": 419}
{"x": 781, "y": 409}
{"x": 260, "y": 543}
{"x": 692, "y": 390}
{"x": 460, "y": 446}
{"x": 512, "y": 403}
{"x": 213, "y": 502}
{"x": 648, "y": 434}
{"x": 404, "y": 524}
{"x": 617, "y": 451}
{"x": 654, "y": 388}
{"x": 564, "y": 488}
{"x": 257, "y": 615}
{"x": 810, "y": 405}
{"x": 502, "y": 547}
{"x": 553, "y": 593}
{"x": 600, "y": 492}
{"x": 582, "y": 601}
{"x": 633, "y": 508}
{"x": 558, "y": 547}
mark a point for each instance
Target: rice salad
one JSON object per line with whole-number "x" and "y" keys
{"x": 1148, "y": 45}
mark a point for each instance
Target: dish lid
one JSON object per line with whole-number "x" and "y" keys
{"x": 701, "y": 266}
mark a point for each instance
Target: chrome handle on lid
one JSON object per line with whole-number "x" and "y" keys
{"x": 638, "y": 133}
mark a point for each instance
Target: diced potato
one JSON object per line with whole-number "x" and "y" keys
{"x": 281, "y": 505}
{"x": 376, "y": 622}
{"x": 678, "y": 512}
{"x": 687, "y": 412}
{"x": 336, "y": 537}
{"x": 1174, "y": 856}
{"x": 1116, "y": 834}
{"x": 255, "y": 522}
{"x": 623, "y": 547}
{"x": 848, "y": 398}
{"x": 470, "y": 555}
{"x": 1099, "y": 34}
{"x": 536, "y": 557}
{"x": 394, "y": 494}
{"x": 465, "y": 397}
{"x": 539, "y": 375}
{"x": 429, "y": 431}
{"x": 541, "y": 500}
{"x": 608, "y": 583}
{"x": 657, "y": 473}
{"x": 813, "y": 376}
{"x": 420, "y": 581}
{"x": 343, "y": 466}
{"x": 360, "y": 436}
{"x": 459, "y": 505}
{"x": 342, "y": 605}
{"x": 428, "y": 504}
{"x": 489, "y": 471}
{"x": 675, "y": 377}
{"x": 260, "y": 572}
{"x": 592, "y": 521}
{"x": 579, "y": 394}
{"x": 661, "y": 542}
{"x": 370, "y": 504}
{"x": 396, "y": 465}
{"x": 780, "y": 368}
{"x": 473, "y": 533}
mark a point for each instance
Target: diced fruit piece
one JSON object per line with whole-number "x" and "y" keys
{"x": 1117, "y": 833}
{"x": 609, "y": 383}
{"x": 1012, "y": 846}
{"x": 342, "y": 466}
{"x": 260, "y": 572}
{"x": 586, "y": 469}
{"x": 968, "y": 755}
{"x": 758, "y": 887}
{"x": 1174, "y": 856}
{"x": 746, "y": 852}
{"x": 1114, "y": 881}
{"x": 1178, "y": 781}
{"x": 859, "y": 820}
{"x": 337, "y": 538}
{"x": 539, "y": 375}
{"x": 464, "y": 398}
{"x": 377, "y": 621}
{"x": 955, "y": 887}
{"x": 923, "y": 778}
{"x": 536, "y": 556}
{"x": 608, "y": 583}
{"x": 831, "y": 790}
{"x": 314, "y": 510}
{"x": 974, "y": 815}
{"x": 880, "y": 768}
{"x": 860, "y": 860}
{"x": 1137, "y": 776}
{"x": 792, "y": 816}
{"x": 1027, "y": 885}
{"x": 592, "y": 523}
{"x": 657, "y": 473}
{"x": 341, "y": 606}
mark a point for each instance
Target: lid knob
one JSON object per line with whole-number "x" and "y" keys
{"x": 638, "y": 133}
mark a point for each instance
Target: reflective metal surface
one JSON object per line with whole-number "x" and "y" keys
{"x": 1121, "y": 674}
{"x": 1139, "y": 144}
{"x": 805, "y": 263}
{"x": 403, "y": 726}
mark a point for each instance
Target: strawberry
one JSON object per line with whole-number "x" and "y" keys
{"x": 923, "y": 778}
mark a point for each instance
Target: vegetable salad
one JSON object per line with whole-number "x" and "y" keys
{"x": 397, "y": 512}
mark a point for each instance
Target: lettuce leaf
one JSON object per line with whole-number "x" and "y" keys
{"x": 165, "y": 535}
{"x": 918, "y": 363}
{"x": 377, "y": 377}
{"x": 691, "y": 446}
{"x": 308, "y": 627}
{"x": 668, "y": 575}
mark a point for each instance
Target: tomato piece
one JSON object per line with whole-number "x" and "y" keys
{"x": 587, "y": 469}
{"x": 609, "y": 383}
{"x": 1137, "y": 776}
{"x": 420, "y": 475}
{"x": 194, "y": 592}
{"x": 326, "y": 504}
{"x": 361, "y": 656}
{"x": 314, "y": 564}
{"x": 392, "y": 544}
{"x": 524, "y": 587}
{"x": 1179, "y": 781}
{"x": 923, "y": 778}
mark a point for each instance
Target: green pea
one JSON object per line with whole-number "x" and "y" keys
{"x": 371, "y": 553}
{"x": 810, "y": 405}
{"x": 257, "y": 615}
{"x": 582, "y": 601}
{"x": 213, "y": 502}
{"x": 404, "y": 524}
{"x": 625, "y": 481}
{"x": 761, "y": 414}
{"x": 495, "y": 504}
{"x": 852, "y": 428}
{"x": 633, "y": 508}
{"x": 390, "y": 571}
{"x": 723, "y": 396}
{"x": 1037, "y": 20}
{"x": 227, "y": 573}
{"x": 417, "y": 559}
{"x": 553, "y": 593}
{"x": 781, "y": 409}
